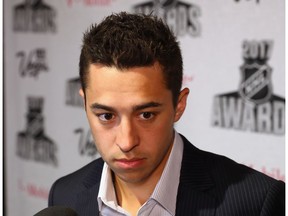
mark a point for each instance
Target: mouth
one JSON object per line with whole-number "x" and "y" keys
{"x": 129, "y": 163}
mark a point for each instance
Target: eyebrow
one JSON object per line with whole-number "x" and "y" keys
{"x": 135, "y": 108}
{"x": 146, "y": 105}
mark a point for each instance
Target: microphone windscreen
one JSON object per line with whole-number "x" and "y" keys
{"x": 57, "y": 211}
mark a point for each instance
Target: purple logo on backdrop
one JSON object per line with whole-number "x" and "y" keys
{"x": 253, "y": 107}
{"x": 34, "y": 16}
{"x": 32, "y": 64}
{"x": 181, "y": 17}
{"x": 33, "y": 189}
{"x": 33, "y": 144}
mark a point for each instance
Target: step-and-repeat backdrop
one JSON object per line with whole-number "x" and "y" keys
{"x": 233, "y": 54}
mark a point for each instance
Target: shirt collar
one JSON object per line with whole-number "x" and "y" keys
{"x": 166, "y": 189}
{"x": 106, "y": 192}
{"x": 165, "y": 192}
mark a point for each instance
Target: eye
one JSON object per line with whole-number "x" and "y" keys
{"x": 105, "y": 117}
{"x": 146, "y": 115}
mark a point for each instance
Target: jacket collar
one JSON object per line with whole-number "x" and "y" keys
{"x": 194, "y": 170}
{"x": 195, "y": 191}
{"x": 87, "y": 199}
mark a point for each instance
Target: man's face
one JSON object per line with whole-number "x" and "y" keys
{"x": 131, "y": 116}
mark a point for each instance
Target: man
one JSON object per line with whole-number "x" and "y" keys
{"x": 131, "y": 75}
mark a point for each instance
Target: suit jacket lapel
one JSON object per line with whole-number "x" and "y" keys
{"x": 87, "y": 203}
{"x": 195, "y": 191}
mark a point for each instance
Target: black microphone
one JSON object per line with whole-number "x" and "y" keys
{"x": 57, "y": 211}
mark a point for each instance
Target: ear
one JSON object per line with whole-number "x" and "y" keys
{"x": 181, "y": 104}
{"x": 82, "y": 94}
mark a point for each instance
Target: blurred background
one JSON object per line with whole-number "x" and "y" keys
{"x": 234, "y": 65}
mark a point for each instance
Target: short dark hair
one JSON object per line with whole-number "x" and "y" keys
{"x": 126, "y": 40}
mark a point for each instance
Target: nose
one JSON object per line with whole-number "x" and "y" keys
{"x": 127, "y": 138}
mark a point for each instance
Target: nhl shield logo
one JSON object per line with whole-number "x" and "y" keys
{"x": 256, "y": 84}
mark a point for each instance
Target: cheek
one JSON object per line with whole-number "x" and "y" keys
{"x": 159, "y": 137}
{"x": 95, "y": 127}
{"x": 164, "y": 127}
{"x": 102, "y": 138}
{"x": 104, "y": 143}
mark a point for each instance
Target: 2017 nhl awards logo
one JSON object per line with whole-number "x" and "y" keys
{"x": 256, "y": 82}
{"x": 254, "y": 107}
{"x": 34, "y": 16}
{"x": 33, "y": 144}
{"x": 181, "y": 17}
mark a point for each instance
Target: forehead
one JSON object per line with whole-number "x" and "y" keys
{"x": 111, "y": 86}
{"x": 103, "y": 76}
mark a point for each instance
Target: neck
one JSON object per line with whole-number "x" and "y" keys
{"x": 132, "y": 195}
{"x": 137, "y": 193}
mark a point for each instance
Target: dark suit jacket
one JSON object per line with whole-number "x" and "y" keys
{"x": 209, "y": 185}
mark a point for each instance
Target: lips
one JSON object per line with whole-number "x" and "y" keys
{"x": 129, "y": 163}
